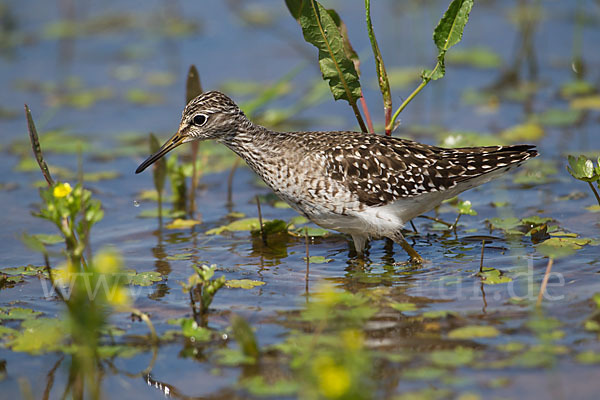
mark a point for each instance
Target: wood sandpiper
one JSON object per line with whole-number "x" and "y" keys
{"x": 364, "y": 185}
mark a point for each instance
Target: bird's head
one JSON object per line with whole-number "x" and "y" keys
{"x": 212, "y": 115}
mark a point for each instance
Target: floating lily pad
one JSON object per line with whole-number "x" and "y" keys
{"x": 473, "y": 332}
{"x": 424, "y": 373}
{"x": 40, "y": 335}
{"x": 452, "y": 358}
{"x": 557, "y": 247}
{"x": 272, "y": 227}
{"x": 243, "y": 283}
{"x": 146, "y": 278}
{"x": 258, "y": 386}
{"x": 403, "y": 77}
{"x": 311, "y": 231}
{"x": 19, "y": 313}
{"x": 143, "y": 97}
{"x": 246, "y": 224}
{"x": 434, "y": 314}
{"x": 318, "y": 259}
{"x": 179, "y": 223}
{"x": 26, "y": 270}
{"x": 493, "y": 276}
{"x": 118, "y": 350}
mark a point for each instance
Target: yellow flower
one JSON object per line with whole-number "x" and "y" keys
{"x": 62, "y": 190}
{"x": 334, "y": 380}
{"x": 118, "y": 296}
{"x": 108, "y": 262}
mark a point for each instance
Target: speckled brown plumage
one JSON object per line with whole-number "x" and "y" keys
{"x": 361, "y": 184}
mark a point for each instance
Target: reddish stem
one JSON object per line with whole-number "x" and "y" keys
{"x": 363, "y": 104}
{"x": 388, "y": 118}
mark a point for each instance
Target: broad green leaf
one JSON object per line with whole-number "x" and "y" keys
{"x": 192, "y": 330}
{"x": 24, "y": 270}
{"x": 312, "y": 232}
{"x": 557, "y": 247}
{"x": 146, "y": 278}
{"x": 535, "y": 220}
{"x": 493, "y": 276}
{"x": 246, "y": 224}
{"x": 582, "y": 168}
{"x": 318, "y": 259}
{"x": 272, "y": 227}
{"x": 320, "y": 29}
{"x": 505, "y": 223}
{"x": 588, "y": 357}
{"x": 179, "y": 223}
{"x": 154, "y": 213}
{"x": 243, "y": 283}
{"x": 449, "y": 30}
{"x": 447, "y": 33}
{"x": 473, "y": 332}
{"x": 40, "y": 335}
{"x": 19, "y": 313}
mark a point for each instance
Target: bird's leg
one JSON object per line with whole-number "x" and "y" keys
{"x": 414, "y": 256}
{"x": 360, "y": 243}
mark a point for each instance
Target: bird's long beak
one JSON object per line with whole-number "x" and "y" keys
{"x": 175, "y": 141}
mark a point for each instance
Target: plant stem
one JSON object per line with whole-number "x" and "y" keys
{"x": 390, "y": 125}
{"x": 544, "y": 282}
{"x": 260, "y": 222}
{"x": 595, "y": 192}
{"x": 365, "y": 108}
{"x": 384, "y": 84}
{"x": 359, "y": 118}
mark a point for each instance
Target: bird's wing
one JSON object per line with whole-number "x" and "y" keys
{"x": 381, "y": 170}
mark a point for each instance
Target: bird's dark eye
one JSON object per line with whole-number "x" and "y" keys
{"x": 199, "y": 119}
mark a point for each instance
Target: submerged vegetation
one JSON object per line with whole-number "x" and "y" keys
{"x": 201, "y": 283}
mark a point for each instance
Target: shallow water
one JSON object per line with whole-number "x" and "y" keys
{"x": 136, "y": 51}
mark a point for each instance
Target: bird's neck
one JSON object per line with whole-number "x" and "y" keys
{"x": 254, "y": 143}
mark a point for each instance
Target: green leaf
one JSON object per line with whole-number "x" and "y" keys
{"x": 576, "y": 88}
{"x": 464, "y": 207}
{"x": 40, "y": 335}
{"x": 473, "y": 332}
{"x": 192, "y": 330}
{"x": 558, "y": 247}
{"x": 526, "y": 132}
{"x": 449, "y": 30}
{"x": 424, "y": 373}
{"x": 320, "y": 29}
{"x": 179, "y": 223}
{"x": 146, "y": 278}
{"x": 457, "y": 357}
{"x": 272, "y": 227}
{"x": 19, "y": 313}
{"x": 24, "y": 270}
{"x": 318, "y": 259}
{"x": 246, "y": 224}
{"x": 243, "y": 283}
{"x": 582, "y": 168}
{"x": 312, "y": 232}
{"x": 493, "y": 276}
